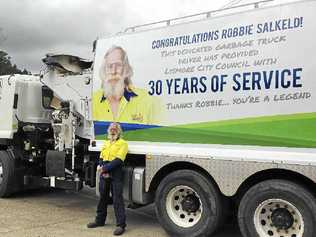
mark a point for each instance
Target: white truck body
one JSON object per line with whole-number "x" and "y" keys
{"x": 276, "y": 104}
{"x": 225, "y": 88}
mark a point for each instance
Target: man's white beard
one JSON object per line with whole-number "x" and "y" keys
{"x": 113, "y": 137}
{"x": 113, "y": 90}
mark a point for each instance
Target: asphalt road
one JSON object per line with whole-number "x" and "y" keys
{"x": 58, "y": 213}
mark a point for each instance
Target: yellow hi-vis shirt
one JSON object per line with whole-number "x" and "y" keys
{"x": 136, "y": 106}
{"x": 116, "y": 149}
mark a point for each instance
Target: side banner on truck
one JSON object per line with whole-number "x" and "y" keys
{"x": 246, "y": 78}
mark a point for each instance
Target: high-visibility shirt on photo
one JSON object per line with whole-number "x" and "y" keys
{"x": 136, "y": 106}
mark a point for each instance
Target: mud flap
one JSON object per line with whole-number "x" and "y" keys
{"x": 55, "y": 163}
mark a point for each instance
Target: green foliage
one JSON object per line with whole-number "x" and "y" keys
{"x": 6, "y": 67}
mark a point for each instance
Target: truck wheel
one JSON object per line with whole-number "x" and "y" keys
{"x": 6, "y": 174}
{"x": 277, "y": 208}
{"x": 188, "y": 204}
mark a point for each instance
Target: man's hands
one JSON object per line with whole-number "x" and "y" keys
{"x": 103, "y": 172}
{"x": 107, "y": 167}
{"x": 99, "y": 168}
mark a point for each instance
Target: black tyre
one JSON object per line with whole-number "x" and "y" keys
{"x": 277, "y": 208}
{"x": 188, "y": 204}
{"x": 6, "y": 174}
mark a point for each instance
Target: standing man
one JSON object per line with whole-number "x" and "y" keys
{"x": 118, "y": 100}
{"x": 111, "y": 179}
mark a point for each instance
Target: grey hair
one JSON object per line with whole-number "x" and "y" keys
{"x": 119, "y": 128}
{"x": 127, "y": 71}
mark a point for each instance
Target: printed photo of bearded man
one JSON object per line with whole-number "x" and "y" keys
{"x": 118, "y": 100}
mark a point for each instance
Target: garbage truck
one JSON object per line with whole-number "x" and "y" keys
{"x": 219, "y": 113}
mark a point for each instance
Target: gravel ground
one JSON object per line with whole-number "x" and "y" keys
{"x": 58, "y": 213}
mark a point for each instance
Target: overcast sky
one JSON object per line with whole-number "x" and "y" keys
{"x": 32, "y": 28}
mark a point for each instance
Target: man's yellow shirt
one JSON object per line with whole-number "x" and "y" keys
{"x": 116, "y": 149}
{"x": 136, "y": 106}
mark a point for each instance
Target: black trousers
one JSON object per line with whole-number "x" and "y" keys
{"x": 113, "y": 184}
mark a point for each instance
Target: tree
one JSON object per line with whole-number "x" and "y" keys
{"x": 6, "y": 66}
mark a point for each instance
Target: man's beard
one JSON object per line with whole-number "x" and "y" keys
{"x": 113, "y": 137}
{"x": 113, "y": 86}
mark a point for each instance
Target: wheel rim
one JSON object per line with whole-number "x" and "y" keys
{"x": 1, "y": 173}
{"x": 277, "y": 217}
{"x": 184, "y": 206}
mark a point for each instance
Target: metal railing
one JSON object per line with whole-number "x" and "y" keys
{"x": 208, "y": 14}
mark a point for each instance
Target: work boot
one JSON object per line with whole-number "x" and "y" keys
{"x": 94, "y": 225}
{"x": 119, "y": 231}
